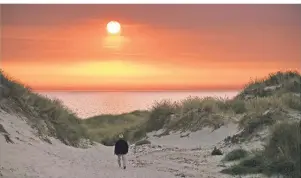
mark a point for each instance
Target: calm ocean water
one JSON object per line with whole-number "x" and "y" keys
{"x": 86, "y": 104}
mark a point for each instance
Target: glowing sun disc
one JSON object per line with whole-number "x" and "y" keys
{"x": 113, "y": 27}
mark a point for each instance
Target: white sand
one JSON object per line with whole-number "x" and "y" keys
{"x": 29, "y": 157}
{"x": 202, "y": 138}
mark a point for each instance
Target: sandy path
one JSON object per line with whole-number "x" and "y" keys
{"x": 180, "y": 162}
{"x": 29, "y": 157}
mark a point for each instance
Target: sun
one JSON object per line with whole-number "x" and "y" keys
{"x": 113, "y": 27}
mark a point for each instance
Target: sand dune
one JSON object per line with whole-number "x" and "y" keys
{"x": 169, "y": 156}
{"x": 30, "y": 157}
{"x": 202, "y": 138}
{"x": 24, "y": 155}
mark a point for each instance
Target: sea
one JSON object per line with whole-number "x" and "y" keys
{"x": 88, "y": 104}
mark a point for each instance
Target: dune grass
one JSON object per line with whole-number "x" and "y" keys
{"x": 194, "y": 113}
{"x": 51, "y": 118}
{"x": 281, "y": 155}
{"x": 48, "y": 117}
{"x": 275, "y": 83}
{"x": 208, "y": 104}
{"x": 236, "y": 154}
{"x": 252, "y": 165}
{"x": 160, "y": 113}
{"x": 271, "y": 99}
{"x": 191, "y": 113}
{"x": 238, "y": 106}
{"x": 283, "y": 149}
{"x": 106, "y": 128}
{"x": 265, "y": 108}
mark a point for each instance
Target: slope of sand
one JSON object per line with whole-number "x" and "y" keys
{"x": 31, "y": 158}
{"x": 202, "y": 138}
{"x": 167, "y": 157}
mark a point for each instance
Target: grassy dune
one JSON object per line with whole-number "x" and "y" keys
{"x": 195, "y": 113}
{"x": 276, "y": 93}
{"x": 251, "y": 110}
{"x": 51, "y": 118}
{"x": 281, "y": 154}
{"x": 266, "y": 103}
{"x": 279, "y": 92}
{"x": 47, "y": 117}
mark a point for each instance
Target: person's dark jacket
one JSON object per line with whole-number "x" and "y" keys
{"x": 121, "y": 147}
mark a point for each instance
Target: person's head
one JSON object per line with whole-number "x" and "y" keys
{"x": 120, "y": 136}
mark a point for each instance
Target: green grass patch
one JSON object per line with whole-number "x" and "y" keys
{"x": 106, "y": 128}
{"x": 278, "y": 83}
{"x": 160, "y": 114}
{"x": 252, "y": 165}
{"x": 236, "y": 154}
{"x": 281, "y": 155}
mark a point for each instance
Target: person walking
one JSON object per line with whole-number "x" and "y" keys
{"x": 121, "y": 149}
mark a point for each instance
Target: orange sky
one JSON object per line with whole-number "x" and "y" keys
{"x": 161, "y": 47}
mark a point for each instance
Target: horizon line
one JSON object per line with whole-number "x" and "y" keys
{"x": 188, "y": 90}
